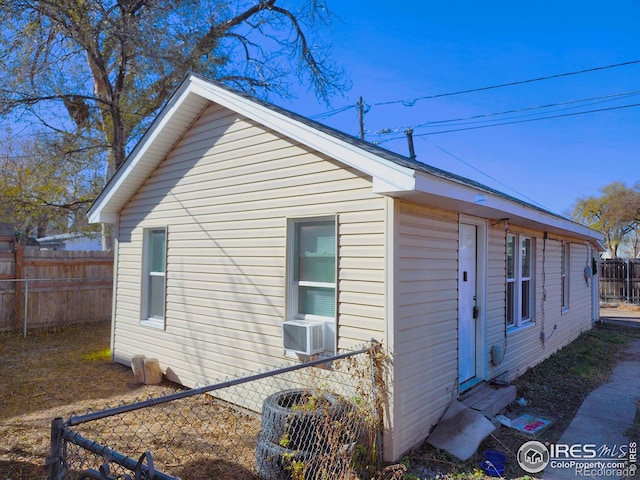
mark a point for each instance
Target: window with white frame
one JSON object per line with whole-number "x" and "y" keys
{"x": 564, "y": 274}
{"x": 312, "y": 284}
{"x": 519, "y": 286}
{"x": 153, "y": 284}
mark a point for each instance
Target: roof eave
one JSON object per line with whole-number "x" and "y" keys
{"x": 135, "y": 170}
{"x": 474, "y": 201}
{"x": 387, "y": 175}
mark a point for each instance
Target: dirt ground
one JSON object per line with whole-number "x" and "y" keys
{"x": 59, "y": 373}
{"x": 55, "y": 374}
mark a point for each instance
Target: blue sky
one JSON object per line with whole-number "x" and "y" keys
{"x": 396, "y": 51}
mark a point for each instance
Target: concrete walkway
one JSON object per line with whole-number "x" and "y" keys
{"x": 624, "y": 317}
{"x": 608, "y": 412}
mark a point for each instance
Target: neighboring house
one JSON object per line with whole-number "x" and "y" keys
{"x": 233, "y": 217}
{"x": 71, "y": 241}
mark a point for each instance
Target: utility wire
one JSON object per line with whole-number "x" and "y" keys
{"x": 517, "y": 121}
{"x": 332, "y": 112}
{"x": 436, "y": 123}
{"x": 492, "y": 178}
{"x": 410, "y": 103}
{"x": 510, "y": 84}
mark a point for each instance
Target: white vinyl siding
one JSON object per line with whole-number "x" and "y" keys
{"x": 425, "y": 338}
{"x": 226, "y": 192}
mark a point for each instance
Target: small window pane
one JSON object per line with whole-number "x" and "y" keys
{"x": 157, "y": 251}
{"x": 316, "y": 301}
{"x": 526, "y": 257}
{"x": 526, "y": 299}
{"x": 511, "y": 264}
{"x": 316, "y": 252}
{"x": 156, "y": 296}
{"x": 511, "y": 302}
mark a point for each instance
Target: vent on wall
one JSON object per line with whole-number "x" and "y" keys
{"x": 306, "y": 338}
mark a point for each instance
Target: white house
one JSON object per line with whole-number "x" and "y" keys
{"x": 87, "y": 241}
{"x": 233, "y": 216}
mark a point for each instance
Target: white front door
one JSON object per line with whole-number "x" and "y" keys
{"x": 467, "y": 302}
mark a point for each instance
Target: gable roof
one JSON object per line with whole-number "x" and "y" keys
{"x": 392, "y": 174}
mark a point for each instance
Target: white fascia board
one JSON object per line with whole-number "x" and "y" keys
{"x": 387, "y": 176}
{"x": 453, "y": 190}
{"x": 126, "y": 179}
{"x": 104, "y": 217}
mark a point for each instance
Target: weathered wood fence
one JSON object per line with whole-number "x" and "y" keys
{"x": 41, "y": 288}
{"x": 620, "y": 280}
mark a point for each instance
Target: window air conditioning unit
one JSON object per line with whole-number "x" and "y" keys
{"x": 306, "y": 338}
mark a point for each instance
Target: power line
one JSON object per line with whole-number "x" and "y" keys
{"x": 517, "y": 121}
{"x": 510, "y": 84}
{"x": 492, "y": 178}
{"x": 435, "y": 123}
{"x": 410, "y": 103}
{"x": 331, "y": 113}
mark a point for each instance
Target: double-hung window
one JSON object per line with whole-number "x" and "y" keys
{"x": 153, "y": 284}
{"x": 564, "y": 275}
{"x": 312, "y": 285}
{"x": 519, "y": 288}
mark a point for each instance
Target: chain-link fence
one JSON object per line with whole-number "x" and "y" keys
{"x": 314, "y": 421}
{"x": 10, "y": 318}
{"x": 47, "y": 302}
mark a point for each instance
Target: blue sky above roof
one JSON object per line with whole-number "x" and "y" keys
{"x": 417, "y": 49}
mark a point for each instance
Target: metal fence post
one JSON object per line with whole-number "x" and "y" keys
{"x": 375, "y": 350}
{"x": 55, "y": 459}
{"x": 629, "y": 270}
{"x": 26, "y": 308}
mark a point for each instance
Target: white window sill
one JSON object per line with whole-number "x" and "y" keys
{"x": 157, "y": 323}
{"x": 519, "y": 328}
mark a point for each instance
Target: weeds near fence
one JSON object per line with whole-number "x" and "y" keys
{"x": 307, "y": 421}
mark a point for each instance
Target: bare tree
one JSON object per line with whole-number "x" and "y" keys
{"x": 99, "y": 69}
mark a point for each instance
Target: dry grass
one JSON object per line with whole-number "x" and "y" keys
{"x": 623, "y": 306}
{"x": 49, "y": 374}
{"x": 57, "y": 373}
{"x": 68, "y": 371}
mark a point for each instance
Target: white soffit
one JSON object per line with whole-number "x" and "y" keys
{"x": 474, "y": 201}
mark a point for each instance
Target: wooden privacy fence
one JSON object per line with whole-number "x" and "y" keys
{"x": 40, "y": 288}
{"x": 620, "y": 280}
